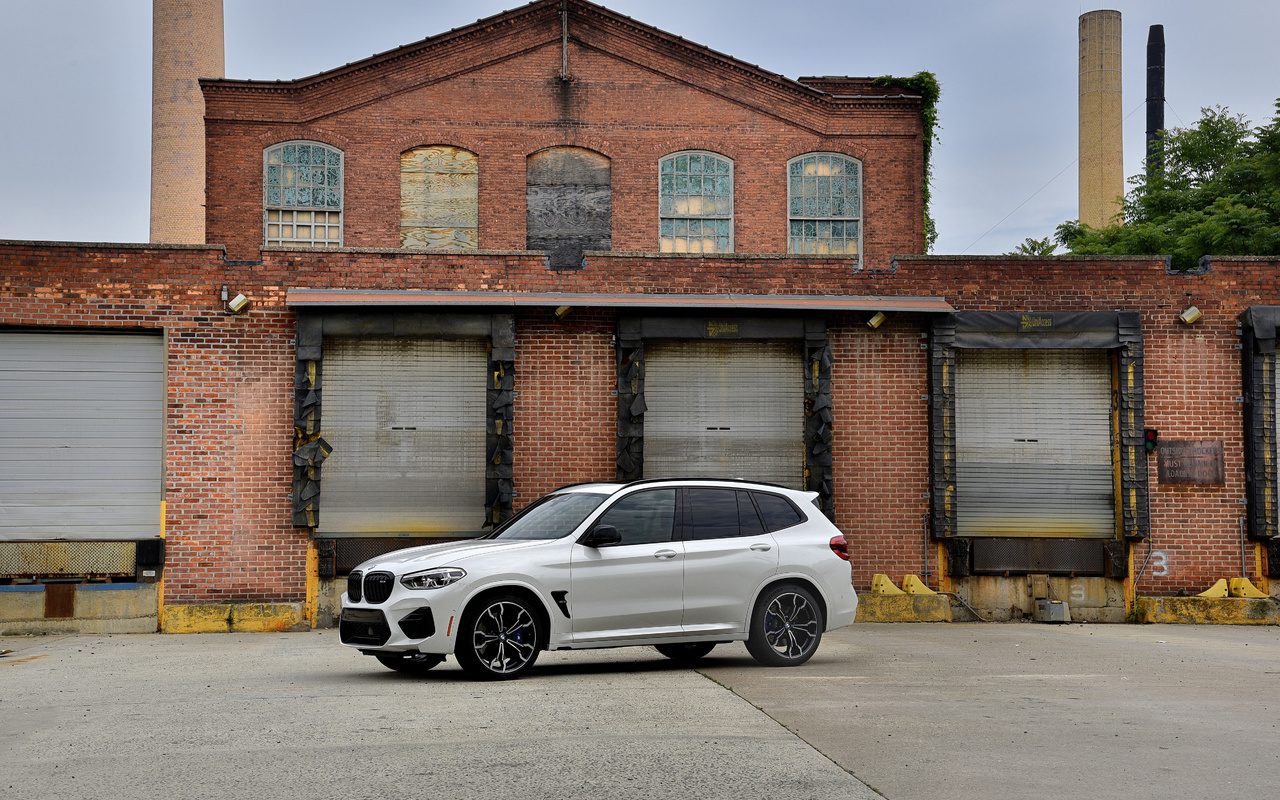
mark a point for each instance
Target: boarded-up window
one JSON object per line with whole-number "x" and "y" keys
{"x": 569, "y": 204}
{"x": 439, "y": 205}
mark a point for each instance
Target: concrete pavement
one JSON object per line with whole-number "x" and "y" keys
{"x": 1018, "y": 710}
{"x": 299, "y": 716}
{"x": 915, "y": 711}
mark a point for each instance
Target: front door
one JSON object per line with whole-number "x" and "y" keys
{"x": 633, "y": 589}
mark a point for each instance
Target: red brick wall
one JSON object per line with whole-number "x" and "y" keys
{"x": 496, "y": 93}
{"x": 229, "y": 405}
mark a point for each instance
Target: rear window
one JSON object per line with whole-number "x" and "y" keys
{"x": 778, "y": 513}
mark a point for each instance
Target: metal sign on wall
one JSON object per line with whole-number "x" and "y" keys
{"x": 1191, "y": 463}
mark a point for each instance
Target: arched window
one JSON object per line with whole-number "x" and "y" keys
{"x": 824, "y": 205}
{"x": 568, "y": 204}
{"x": 695, "y": 196}
{"x": 302, "y": 195}
{"x": 439, "y": 198}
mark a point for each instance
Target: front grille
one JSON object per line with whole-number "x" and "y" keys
{"x": 353, "y": 586}
{"x": 418, "y": 624}
{"x": 377, "y": 587}
{"x": 364, "y": 626}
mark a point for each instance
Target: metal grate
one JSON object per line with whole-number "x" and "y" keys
{"x": 1052, "y": 556}
{"x": 363, "y": 626}
{"x": 67, "y": 559}
{"x": 351, "y": 553}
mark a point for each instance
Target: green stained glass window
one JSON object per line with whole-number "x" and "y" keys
{"x": 695, "y": 203}
{"x": 302, "y": 195}
{"x": 824, "y": 204}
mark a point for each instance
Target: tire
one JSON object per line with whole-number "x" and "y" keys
{"x": 685, "y": 653}
{"x": 409, "y": 662}
{"x": 786, "y": 626}
{"x": 498, "y": 638}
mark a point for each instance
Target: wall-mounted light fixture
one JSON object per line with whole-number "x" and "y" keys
{"x": 877, "y": 320}
{"x": 236, "y": 304}
{"x": 563, "y": 311}
{"x": 1191, "y": 315}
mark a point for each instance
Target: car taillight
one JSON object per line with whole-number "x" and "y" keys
{"x": 840, "y": 547}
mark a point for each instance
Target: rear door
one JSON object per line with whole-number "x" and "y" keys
{"x": 728, "y": 555}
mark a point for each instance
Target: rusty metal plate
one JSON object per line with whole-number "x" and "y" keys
{"x": 1191, "y": 463}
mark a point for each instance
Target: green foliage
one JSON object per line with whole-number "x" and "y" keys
{"x": 926, "y": 85}
{"x": 1218, "y": 194}
{"x": 1034, "y": 247}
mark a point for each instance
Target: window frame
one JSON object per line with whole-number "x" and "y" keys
{"x": 829, "y": 218}
{"x": 282, "y": 208}
{"x": 675, "y": 218}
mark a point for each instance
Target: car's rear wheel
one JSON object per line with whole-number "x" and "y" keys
{"x": 410, "y": 662}
{"x": 786, "y": 626}
{"x": 498, "y": 638}
{"x": 685, "y": 653}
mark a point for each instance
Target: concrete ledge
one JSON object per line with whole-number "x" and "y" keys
{"x": 99, "y": 608}
{"x": 1208, "y": 610}
{"x": 234, "y": 618}
{"x": 904, "y": 608}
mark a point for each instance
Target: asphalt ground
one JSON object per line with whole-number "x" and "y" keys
{"x": 914, "y": 711}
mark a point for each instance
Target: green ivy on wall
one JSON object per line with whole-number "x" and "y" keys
{"x": 926, "y": 85}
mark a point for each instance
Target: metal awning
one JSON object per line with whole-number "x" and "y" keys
{"x": 328, "y": 298}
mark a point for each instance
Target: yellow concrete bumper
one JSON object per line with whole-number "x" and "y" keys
{"x": 234, "y": 618}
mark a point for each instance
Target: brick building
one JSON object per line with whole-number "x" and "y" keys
{"x": 559, "y": 245}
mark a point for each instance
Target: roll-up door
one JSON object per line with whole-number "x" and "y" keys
{"x": 1033, "y": 443}
{"x": 724, "y": 410}
{"x": 80, "y": 432}
{"x": 406, "y": 419}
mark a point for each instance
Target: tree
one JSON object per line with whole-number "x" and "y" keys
{"x": 1034, "y": 247}
{"x": 1218, "y": 194}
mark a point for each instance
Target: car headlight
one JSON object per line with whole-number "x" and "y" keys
{"x": 433, "y": 578}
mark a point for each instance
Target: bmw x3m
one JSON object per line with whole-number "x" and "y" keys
{"x": 682, "y": 565}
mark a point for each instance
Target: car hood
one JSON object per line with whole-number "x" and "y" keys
{"x": 445, "y": 555}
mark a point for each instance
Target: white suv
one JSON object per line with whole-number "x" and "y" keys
{"x": 679, "y": 564}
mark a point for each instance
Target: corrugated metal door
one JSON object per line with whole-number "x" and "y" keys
{"x": 1033, "y": 443}
{"x": 81, "y": 418}
{"x": 724, "y": 410}
{"x": 406, "y": 419}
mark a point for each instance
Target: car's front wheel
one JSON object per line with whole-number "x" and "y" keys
{"x": 498, "y": 638}
{"x": 410, "y": 662}
{"x": 786, "y": 626}
{"x": 685, "y": 653}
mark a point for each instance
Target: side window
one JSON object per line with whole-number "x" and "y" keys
{"x": 824, "y": 205}
{"x": 695, "y": 197}
{"x": 302, "y": 195}
{"x": 747, "y": 516}
{"x": 643, "y": 517}
{"x": 778, "y": 513}
{"x": 568, "y": 204}
{"x": 711, "y": 513}
{"x": 439, "y": 198}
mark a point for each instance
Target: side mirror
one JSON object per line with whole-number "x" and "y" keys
{"x": 602, "y": 535}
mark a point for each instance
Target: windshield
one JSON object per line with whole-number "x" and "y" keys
{"x": 551, "y": 517}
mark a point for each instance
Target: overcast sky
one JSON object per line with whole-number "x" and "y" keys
{"x": 75, "y": 87}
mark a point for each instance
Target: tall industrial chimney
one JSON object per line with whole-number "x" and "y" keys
{"x": 1155, "y": 100}
{"x": 1101, "y": 115}
{"x": 186, "y": 45}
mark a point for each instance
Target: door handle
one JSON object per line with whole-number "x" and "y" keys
{"x": 665, "y": 554}
{"x": 761, "y": 547}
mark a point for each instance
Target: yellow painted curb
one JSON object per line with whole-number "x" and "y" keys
{"x": 1209, "y": 610}
{"x": 904, "y": 608}
{"x": 232, "y": 618}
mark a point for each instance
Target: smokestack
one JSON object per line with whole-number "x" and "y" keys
{"x": 186, "y": 45}
{"x": 1101, "y": 115}
{"x": 1155, "y": 100}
